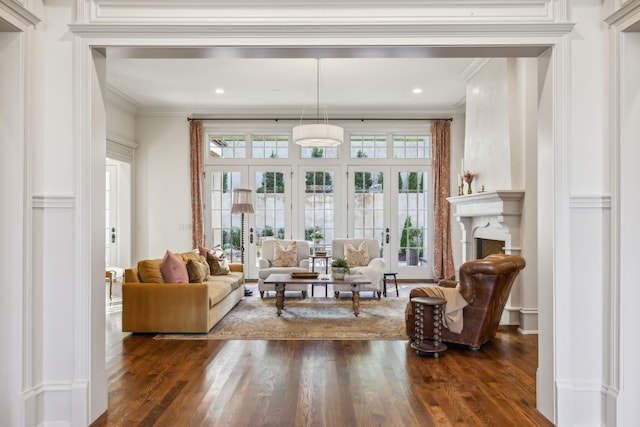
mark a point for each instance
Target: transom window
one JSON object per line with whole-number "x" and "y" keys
{"x": 411, "y": 146}
{"x": 228, "y": 147}
{"x": 317, "y": 152}
{"x": 270, "y": 146}
{"x": 369, "y": 146}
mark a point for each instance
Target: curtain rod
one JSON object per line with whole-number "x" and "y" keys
{"x": 297, "y": 119}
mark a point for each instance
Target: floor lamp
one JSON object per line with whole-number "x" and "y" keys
{"x": 241, "y": 204}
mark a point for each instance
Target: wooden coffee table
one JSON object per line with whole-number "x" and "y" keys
{"x": 349, "y": 283}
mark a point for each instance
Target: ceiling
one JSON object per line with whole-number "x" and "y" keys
{"x": 265, "y": 81}
{"x": 287, "y": 86}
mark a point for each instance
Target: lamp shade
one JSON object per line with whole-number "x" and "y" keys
{"x": 318, "y": 135}
{"x": 241, "y": 201}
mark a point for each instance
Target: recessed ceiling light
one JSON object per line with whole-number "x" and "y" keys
{"x": 417, "y": 90}
{"x": 219, "y": 91}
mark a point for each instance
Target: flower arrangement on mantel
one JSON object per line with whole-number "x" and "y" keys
{"x": 468, "y": 177}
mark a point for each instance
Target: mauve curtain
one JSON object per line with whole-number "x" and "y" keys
{"x": 443, "y": 267}
{"x": 196, "y": 162}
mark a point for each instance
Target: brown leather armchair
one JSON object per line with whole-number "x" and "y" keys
{"x": 485, "y": 284}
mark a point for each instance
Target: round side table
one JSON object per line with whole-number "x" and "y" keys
{"x": 424, "y": 345}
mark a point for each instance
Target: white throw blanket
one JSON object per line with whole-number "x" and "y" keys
{"x": 453, "y": 310}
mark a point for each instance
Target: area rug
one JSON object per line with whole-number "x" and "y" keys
{"x": 308, "y": 319}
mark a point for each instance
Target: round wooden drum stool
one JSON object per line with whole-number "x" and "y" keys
{"x": 424, "y": 345}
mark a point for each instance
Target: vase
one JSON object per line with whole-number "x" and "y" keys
{"x": 337, "y": 273}
{"x": 469, "y": 187}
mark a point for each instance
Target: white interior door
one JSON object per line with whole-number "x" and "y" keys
{"x": 112, "y": 228}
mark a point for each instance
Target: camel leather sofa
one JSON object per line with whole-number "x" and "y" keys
{"x": 485, "y": 284}
{"x": 178, "y": 307}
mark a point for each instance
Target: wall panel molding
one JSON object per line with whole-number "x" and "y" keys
{"x": 591, "y": 201}
{"x": 120, "y": 148}
{"x": 53, "y": 202}
{"x": 281, "y": 12}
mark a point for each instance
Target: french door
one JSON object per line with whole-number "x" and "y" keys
{"x": 272, "y": 211}
{"x": 391, "y": 204}
{"x": 318, "y": 207}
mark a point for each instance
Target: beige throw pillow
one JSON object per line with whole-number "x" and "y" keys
{"x": 217, "y": 266}
{"x": 198, "y": 271}
{"x": 285, "y": 257}
{"x": 356, "y": 257}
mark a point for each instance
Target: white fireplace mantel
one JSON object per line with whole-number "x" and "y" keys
{"x": 492, "y": 215}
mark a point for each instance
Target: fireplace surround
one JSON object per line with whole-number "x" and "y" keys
{"x": 494, "y": 215}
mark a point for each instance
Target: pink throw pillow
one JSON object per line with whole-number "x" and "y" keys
{"x": 174, "y": 269}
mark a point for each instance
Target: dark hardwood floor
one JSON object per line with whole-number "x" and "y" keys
{"x": 317, "y": 383}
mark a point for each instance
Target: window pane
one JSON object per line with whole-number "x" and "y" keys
{"x": 324, "y": 152}
{"x": 369, "y": 146}
{"x": 411, "y": 146}
{"x": 412, "y": 218}
{"x": 227, "y": 147}
{"x": 270, "y": 205}
{"x": 270, "y": 146}
{"x": 225, "y": 228}
{"x": 319, "y": 209}
{"x": 368, "y": 208}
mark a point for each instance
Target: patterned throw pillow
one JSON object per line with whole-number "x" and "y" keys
{"x": 173, "y": 269}
{"x": 218, "y": 266}
{"x": 216, "y": 250}
{"x": 198, "y": 271}
{"x": 357, "y": 257}
{"x": 285, "y": 257}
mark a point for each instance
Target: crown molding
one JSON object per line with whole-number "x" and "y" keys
{"x": 334, "y": 114}
{"x": 121, "y": 100}
{"x": 351, "y": 29}
{"x": 626, "y": 15}
{"x": 470, "y": 70}
{"x": 20, "y": 16}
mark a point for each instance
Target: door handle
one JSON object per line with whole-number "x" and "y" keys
{"x": 387, "y": 237}
{"x": 251, "y": 235}
{"x": 113, "y": 234}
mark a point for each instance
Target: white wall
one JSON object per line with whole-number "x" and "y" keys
{"x": 121, "y": 146}
{"x": 163, "y": 195}
{"x": 501, "y": 147}
{"x": 12, "y": 195}
{"x": 487, "y": 149}
{"x": 623, "y": 374}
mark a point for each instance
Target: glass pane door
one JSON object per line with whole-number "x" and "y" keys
{"x": 222, "y": 228}
{"x": 390, "y": 204}
{"x": 413, "y": 221}
{"x": 272, "y": 217}
{"x": 368, "y": 203}
{"x": 318, "y": 206}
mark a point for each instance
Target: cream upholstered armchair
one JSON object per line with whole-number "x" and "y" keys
{"x": 281, "y": 257}
{"x": 367, "y": 261}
